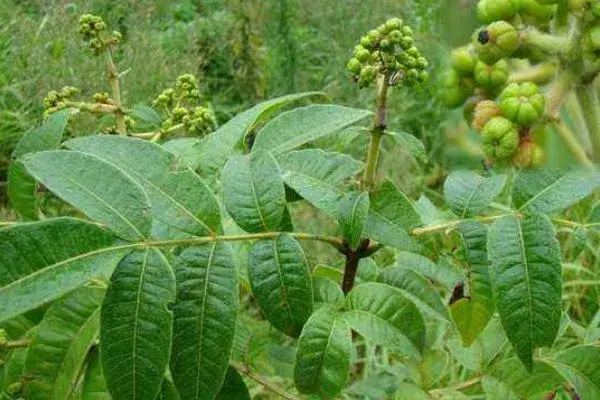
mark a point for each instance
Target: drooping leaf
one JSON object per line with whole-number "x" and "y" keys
{"x": 317, "y": 176}
{"x": 233, "y": 387}
{"x": 135, "y": 335}
{"x": 46, "y": 137}
{"x": 94, "y": 385}
{"x": 280, "y": 279}
{"x": 41, "y": 261}
{"x": 472, "y": 313}
{"x": 302, "y": 125}
{"x": 210, "y": 154}
{"x": 254, "y": 193}
{"x": 580, "y": 365}
{"x": 527, "y": 281}
{"x": 391, "y": 217}
{"x": 416, "y": 287}
{"x": 21, "y": 191}
{"x": 371, "y": 305}
{"x": 543, "y": 378}
{"x": 59, "y": 348}
{"x": 182, "y": 204}
{"x": 354, "y": 209}
{"x": 323, "y": 355}
{"x": 410, "y": 144}
{"x": 468, "y": 193}
{"x": 99, "y": 189}
{"x": 205, "y": 319}
{"x": 547, "y": 191}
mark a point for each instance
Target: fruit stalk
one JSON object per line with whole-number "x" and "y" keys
{"x": 113, "y": 80}
{"x": 377, "y": 132}
{"x": 588, "y": 99}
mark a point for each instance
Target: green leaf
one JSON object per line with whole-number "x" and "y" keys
{"x": 580, "y": 364}
{"x": 135, "y": 335}
{"x": 94, "y": 385}
{"x": 496, "y": 390}
{"x": 527, "y": 281}
{"x": 253, "y": 192}
{"x": 99, "y": 189}
{"x": 14, "y": 364}
{"x": 280, "y": 279}
{"x": 46, "y": 137}
{"x": 210, "y": 154}
{"x": 440, "y": 272}
{"x": 372, "y": 304}
{"x": 59, "y": 348}
{"x": 410, "y": 144}
{"x": 391, "y": 216}
{"x": 468, "y": 193}
{"x": 22, "y": 191}
{"x": 317, "y": 176}
{"x": 323, "y": 355}
{"x": 168, "y": 391}
{"x": 472, "y": 313}
{"x": 353, "y": 212}
{"x": 417, "y": 288}
{"x": 326, "y": 291}
{"x": 526, "y": 384}
{"x": 205, "y": 319}
{"x": 41, "y": 261}
{"x": 302, "y": 125}
{"x": 146, "y": 117}
{"x": 182, "y": 204}
{"x": 233, "y": 387}
{"x": 547, "y": 191}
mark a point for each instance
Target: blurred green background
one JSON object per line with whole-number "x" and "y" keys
{"x": 242, "y": 51}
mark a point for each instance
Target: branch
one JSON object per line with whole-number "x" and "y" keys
{"x": 262, "y": 380}
{"x": 377, "y": 132}
{"x": 14, "y": 344}
{"x": 548, "y": 43}
{"x": 113, "y": 80}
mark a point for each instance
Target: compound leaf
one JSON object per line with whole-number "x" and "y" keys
{"x": 468, "y": 193}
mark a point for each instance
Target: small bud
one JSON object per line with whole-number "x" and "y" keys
{"x": 522, "y": 103}
{"x": 500, "y": 139}
{"x": 484, "y": 111}
{"x": 463, "y": 60}
{"x": 491, "y": 76}
{"x": 496, "y": 41}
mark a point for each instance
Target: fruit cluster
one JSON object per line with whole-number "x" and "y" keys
{"x": 92, "y": 28}
{"x": 55, "y": 100}
{"x": 388, "y": 51}
{"x": 181, "y": 103}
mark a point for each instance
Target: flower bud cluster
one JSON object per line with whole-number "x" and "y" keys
{"x": 93, "y": 30}
{"x": 181, "y": 103}
{"x": 388, "y": 51}
{"x": 56, "y": 100}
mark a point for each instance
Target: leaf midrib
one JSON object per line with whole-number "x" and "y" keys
{"x": 526, "y": 266}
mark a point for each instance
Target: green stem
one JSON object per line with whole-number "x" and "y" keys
{"x": 558, "y": 92}
{"x": 573, "y": 145}
{"x": 453, "y": 224}
{"x": 113, "y": 80}
{"x": 262, "y": 380}
{"x": 588, "y": 99}
{"x": 14, "y": 344}
{"x": 540, "y": 73}
{"x": 551, "y": 44}
{"x": 377, "y": 132}
{"x": 150, "y": 135}
{"x": 99, "y": 108}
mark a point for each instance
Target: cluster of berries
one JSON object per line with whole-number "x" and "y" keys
{"x": 388, "y": 51}
{"x": 181, "y": 103}
{"x": 55, "y": 100}
{"x": 92, "y": 28}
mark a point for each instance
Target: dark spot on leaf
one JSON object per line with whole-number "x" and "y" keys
{"x": 458, "y": 293}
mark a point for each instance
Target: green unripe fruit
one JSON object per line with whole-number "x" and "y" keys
{"x": 366, "y": 42}
{"x": 500, "y": 139}
{"x": 406, "y": 42}
{"x": 422, "y": 63}
{"x": 463, "y": 60}
{"x": 489, "y": 11}
{"x": 532, "y": 8}
{"x": 548, "y": 2}
{"x": 354, "y": 66}
{"x": 413, "y": 51}
{"x": 395, "y": 37}
{"x": 529, "y": 155}
{"x": 484, "y": 111}
{"x": 367, "y": 76}
{"x": 522, "y": 103}
{"x": 453, "y": 93}
{"x": 407, "y": 31}
{"x": 394, "y": 23}
{"x": 385, "y": 44}
{"x": 491, "y": 76}
{"x": 498, "y": 40}
{"x": 592, "y": 38}
{"x": 595, "y": 8}
{"x": 423, "y": 76}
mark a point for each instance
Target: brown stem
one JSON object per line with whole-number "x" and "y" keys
{"x": 262, "y": 380}
{"x": 352, "y": 259}
{"x": 14, "y": 344}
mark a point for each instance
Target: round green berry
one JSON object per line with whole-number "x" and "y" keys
{"x": 496, "y": 41}
{"x": 491, "y": 76}
{"x": 354, "y": 66}
{"x": 500, "y": 139}
{"x": 394, "y": 23}
{"x": 489, "y": 11}
{"x": 592, "y": 38}
{"x": 453, "y": 92}
{"x": 522, "y": 103}
{"x": 463, "y": 60}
